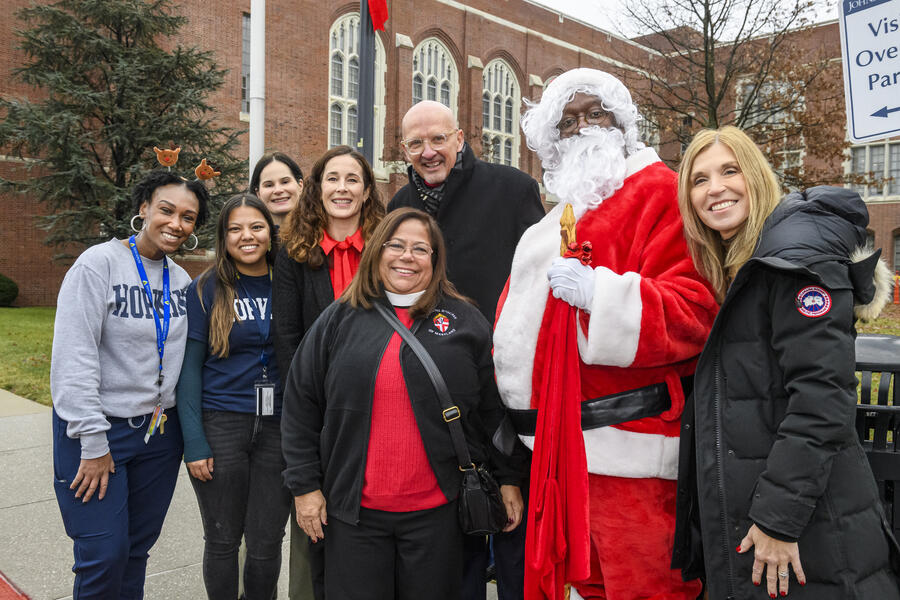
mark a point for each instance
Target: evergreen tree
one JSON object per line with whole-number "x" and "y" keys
{"x": 111, "y": 81}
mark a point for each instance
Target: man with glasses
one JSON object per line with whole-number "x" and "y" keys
{"x": 482, "y": 210}
{"x": 643, "y": 315}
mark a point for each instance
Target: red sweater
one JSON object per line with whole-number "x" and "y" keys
{"x": 399, "y": 477}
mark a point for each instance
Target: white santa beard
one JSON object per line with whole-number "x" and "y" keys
{"x": 591, "y": 168}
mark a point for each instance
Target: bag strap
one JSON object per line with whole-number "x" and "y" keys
{"x": 450, "y": 411}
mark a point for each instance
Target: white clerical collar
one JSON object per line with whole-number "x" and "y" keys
{"x": 403, "y": 300}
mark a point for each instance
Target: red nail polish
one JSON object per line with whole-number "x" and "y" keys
{"x": 738, "y": 549}
{"x": 783, "y": 593}
{"x": 771, "y": 595}
{"x": 756, "y": 583}
{"x": 803, "y": 583}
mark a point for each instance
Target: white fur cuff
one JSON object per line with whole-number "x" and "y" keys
{"x": 615, "y": 324}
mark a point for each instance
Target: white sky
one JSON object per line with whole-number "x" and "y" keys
{"x": 606, "y": 14}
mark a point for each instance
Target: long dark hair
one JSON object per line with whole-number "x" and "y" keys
{"x": 302, "y": 232}
{"x": 367, "y": 285}
{"x": 268, "y": 159}
{"x": 222, "y": 314}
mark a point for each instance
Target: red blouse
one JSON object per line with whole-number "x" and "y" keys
{"x": 343, "y": 259}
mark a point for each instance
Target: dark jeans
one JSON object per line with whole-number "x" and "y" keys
{"x": 244, "y": 498}
{"x": 113, "y": 536}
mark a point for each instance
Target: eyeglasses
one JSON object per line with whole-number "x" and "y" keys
{"x": 398, "y": 248}
{"x": 437, "y": 142}
{"x": 595, "y": 116}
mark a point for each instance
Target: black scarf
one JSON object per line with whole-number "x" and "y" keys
{"x": 432, "y": 196}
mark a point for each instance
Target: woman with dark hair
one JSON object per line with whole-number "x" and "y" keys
{"x": 229, "y": 401}
{"x": 370, "y": 461}
{"x": 117, "y": 350}
{"x": 774, "y": 488}
{"x": 278, "y": 181}
{"x": 320, "y": 249}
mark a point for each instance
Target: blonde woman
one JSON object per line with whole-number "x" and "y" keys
{"x": 773, "y": 485}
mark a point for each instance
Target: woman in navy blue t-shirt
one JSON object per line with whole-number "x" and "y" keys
{"x": 229, "y": 402}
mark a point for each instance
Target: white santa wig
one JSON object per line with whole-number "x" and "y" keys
{"x": 539, "y": 121}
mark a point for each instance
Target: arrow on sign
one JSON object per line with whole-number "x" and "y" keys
{"x": 885, "y": 111}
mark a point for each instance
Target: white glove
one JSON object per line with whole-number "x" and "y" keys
{"x": 572, "y": 282}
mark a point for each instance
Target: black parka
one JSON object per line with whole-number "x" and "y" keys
{"x": 769, "y": 435}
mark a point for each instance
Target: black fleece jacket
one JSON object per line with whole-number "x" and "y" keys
{"x": 326, "y": 417}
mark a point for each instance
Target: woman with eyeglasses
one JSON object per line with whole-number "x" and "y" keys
{"x": 369, "y": 455}
{"x": 320, "y": 250}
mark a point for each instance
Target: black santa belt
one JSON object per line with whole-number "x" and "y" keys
{"x": 621, "y": 407}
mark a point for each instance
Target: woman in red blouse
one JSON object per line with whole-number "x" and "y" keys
{"x": 321, "y": 243}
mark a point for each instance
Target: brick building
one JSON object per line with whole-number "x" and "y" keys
{"x": 481, "y": 57}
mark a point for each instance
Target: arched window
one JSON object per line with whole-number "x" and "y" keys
{"x": 500, "y": 106}
{"x": 433, "y": 64}
{"x": 343, "y": 112}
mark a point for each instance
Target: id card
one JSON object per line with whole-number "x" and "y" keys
{"x": 265, "y": 398}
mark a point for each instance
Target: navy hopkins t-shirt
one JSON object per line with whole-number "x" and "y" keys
{"x": 228, "y": 382}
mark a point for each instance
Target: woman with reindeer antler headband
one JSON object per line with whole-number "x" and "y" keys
{"x": 119, "y": 341}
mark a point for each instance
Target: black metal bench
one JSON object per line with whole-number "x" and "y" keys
{"x": 878, "y": 416}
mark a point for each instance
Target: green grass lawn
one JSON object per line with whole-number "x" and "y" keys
{"x": 26, "y": 336}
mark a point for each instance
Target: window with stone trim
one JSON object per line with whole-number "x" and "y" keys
{"x": 344, "y": 79}
{"x": 500, "y": 104}
{"x": 879, "y": 163}
{"x": 434, "y": 75}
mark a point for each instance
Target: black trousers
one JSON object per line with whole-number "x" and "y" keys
{"x": 388, "y": 556}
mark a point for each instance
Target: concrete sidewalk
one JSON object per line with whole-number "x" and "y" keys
{"x": 36, "y": 554}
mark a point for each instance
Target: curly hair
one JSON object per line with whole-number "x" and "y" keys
{"x": 302, "y": 232}
{"x": 539, "y": 121}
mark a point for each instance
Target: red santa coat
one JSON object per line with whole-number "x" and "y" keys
{"x": 650, "y": 315}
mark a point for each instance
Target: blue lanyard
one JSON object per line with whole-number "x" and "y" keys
{"x": 162, "y": 330}
{"x": 262, "y": 323}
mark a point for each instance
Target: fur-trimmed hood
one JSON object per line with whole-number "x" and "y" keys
{"x": 827, "y": 224}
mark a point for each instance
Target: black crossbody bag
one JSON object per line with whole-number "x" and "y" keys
{"x": 481, "y": 509}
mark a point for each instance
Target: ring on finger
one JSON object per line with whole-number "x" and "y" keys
{"x": 782, "y": 573}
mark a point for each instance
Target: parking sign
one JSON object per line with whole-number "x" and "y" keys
{"x": 870, "y": 43}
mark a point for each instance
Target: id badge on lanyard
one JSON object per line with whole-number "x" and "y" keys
{"x": 264, "y": 388}
{"x": 158, "y": 419}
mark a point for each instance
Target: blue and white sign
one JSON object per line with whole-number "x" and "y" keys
{"x": 870, "y": 42}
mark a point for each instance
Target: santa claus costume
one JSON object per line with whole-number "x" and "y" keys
{"x": 646, "y": 322}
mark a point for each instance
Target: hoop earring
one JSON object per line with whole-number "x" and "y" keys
{"x": 133, "y": 228}
{"x": 196, "y": 243}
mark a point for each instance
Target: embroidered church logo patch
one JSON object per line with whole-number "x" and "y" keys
{"x": 443, "y": 322}
{"x": 813, "y": 301}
